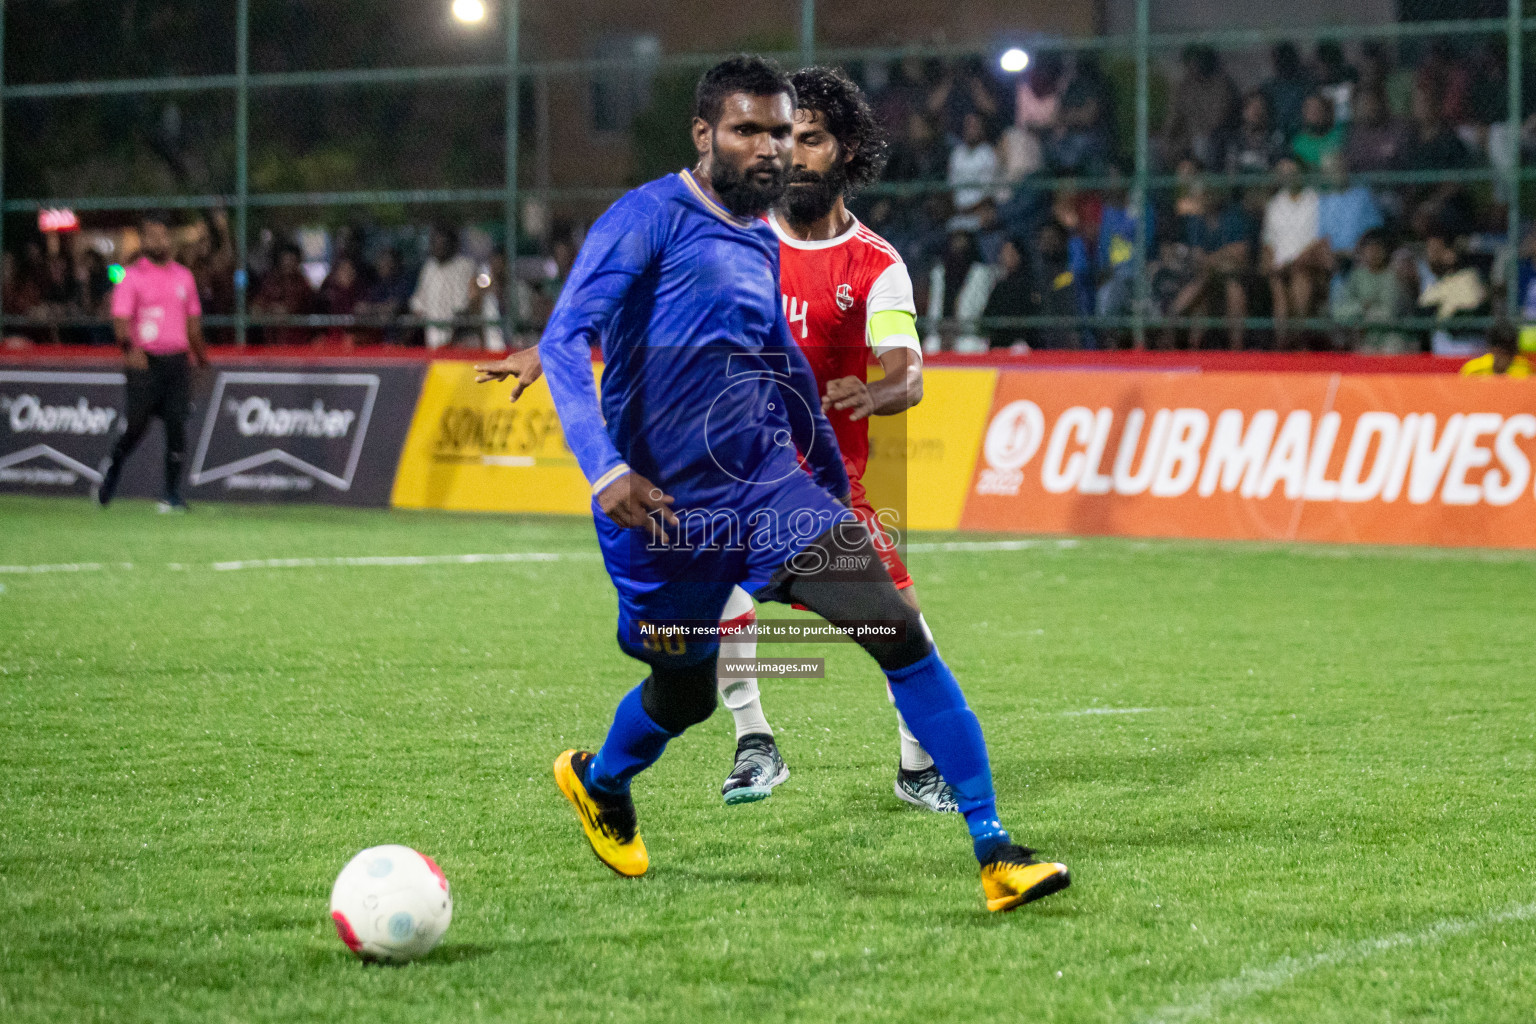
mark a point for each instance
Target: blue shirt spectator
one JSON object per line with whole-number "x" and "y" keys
{"x": 1347, "y": 214}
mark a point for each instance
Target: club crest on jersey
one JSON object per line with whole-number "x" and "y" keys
{"x": 844, "y": 297}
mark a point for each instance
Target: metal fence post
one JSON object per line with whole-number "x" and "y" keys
{"x": 242, "y": 162}
{"x": 511, "y": 14}
{"x": 1143, "y": 290}
{"x": 808, "y": 32}
{"x": 2, "y": 142}
{"x": 1515, "y": 42}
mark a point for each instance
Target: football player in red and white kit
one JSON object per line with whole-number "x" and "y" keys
{"x": 846, "y": 293}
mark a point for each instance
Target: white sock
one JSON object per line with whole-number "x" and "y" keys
{"x": 741, "y": 696}
{"x": 913, "y": 757}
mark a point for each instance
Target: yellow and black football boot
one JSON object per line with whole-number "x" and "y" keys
{"x": 610, "y": 824}
{"x": 1012, "y": 877}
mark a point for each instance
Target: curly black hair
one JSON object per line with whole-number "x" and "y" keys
{"x": 847, "y": 115}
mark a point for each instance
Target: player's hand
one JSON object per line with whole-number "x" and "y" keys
{"x": 633, "y": 501}
{"x": 135, "y": 359}
{"x": 523, "y": 367}
{"x": 850, "y": 395}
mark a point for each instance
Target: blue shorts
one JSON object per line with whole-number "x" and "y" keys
{"x": 671, "y": 597}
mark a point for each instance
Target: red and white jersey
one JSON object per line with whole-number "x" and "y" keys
{"x": 831, "y": 290}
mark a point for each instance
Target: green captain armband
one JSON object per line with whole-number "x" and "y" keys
{"x": 893, "y": 327}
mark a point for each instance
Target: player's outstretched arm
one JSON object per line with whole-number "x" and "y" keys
{"x": 524, "y": 367}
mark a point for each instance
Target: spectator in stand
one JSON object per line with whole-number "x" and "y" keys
{"x": 957, "y": 293}
{"x": 1204, "y": 110}
{"x": 1371, "y": 293}
{"x": 922, "y": 155}
{"x": 1434, "y": 146}
{"x": 59, "y": 295}
{"x": 972, "y": 165}
{"x": 1526, "y": 283}
{"x": 386, "y": 295}
{"x": 1258, "y": 144}
{"x": 1286, "y": 88}
{"x": 1375, "y": 140}
{"x": 1446, "y": 77}
{"x": 1503, "y": 358}
{"x": 961, "y": 91}
{"x": 1336, "y": 79}
{"x": 1345, "y": 212}
{"x": 1295, "y": 256}
{"x": 21, "y": 296}
{"x": 94, "y": 284}
{"x": 442, "y": 289}
{"x": 1013, "y": 295}
{"x": 1081, "y": 141}
{"x": 1116, "y": 257}
{"x": 1451, "y": 286}
{"x": 904, "y": 95}
{"x": 485, "y": 299}
{"x": 1221, "y": 242}
{"x": 213, "y": 267}
{"x": 285, "y": 291}
{"x": 341, "y": 294}
{"x": 1058, "y": 285}
{"x": 1037, "y": 100}
{"x": 1320, "y": 135}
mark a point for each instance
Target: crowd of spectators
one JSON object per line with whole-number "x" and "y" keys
{"x": 393, "y": 293}
{"x": 1263, "y": 211}
{"x": 1297, "y": 197}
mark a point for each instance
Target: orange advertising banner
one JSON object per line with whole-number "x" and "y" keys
{"x": 1380, "y": 459}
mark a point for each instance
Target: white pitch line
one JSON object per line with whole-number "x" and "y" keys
{"x": 1253, "y": 981}
{"x": 401, "y": 560}
{"x": 992, "y": 545}
{"x": 1109, "y": 711}
{"x": 62, "y": 567}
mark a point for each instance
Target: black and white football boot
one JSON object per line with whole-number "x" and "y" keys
{"x": 758, "y": 769}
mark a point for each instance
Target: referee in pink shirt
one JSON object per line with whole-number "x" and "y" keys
{"x": 157, "y": 318}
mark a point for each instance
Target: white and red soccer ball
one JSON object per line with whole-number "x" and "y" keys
{"x": 391, "y": 904}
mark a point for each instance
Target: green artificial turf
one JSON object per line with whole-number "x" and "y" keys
{"x": 1305, "y": 792}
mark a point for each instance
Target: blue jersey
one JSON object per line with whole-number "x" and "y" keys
{"x": 704, "y": 392}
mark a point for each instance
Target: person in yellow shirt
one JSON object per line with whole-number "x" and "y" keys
{"x": 1503, "y": 357}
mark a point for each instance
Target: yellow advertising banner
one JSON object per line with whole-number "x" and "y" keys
{"x": 921, "y": 462}
{"x": 470, "y": 449}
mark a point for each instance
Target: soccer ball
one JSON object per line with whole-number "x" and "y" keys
{"x": 391, "y": 904}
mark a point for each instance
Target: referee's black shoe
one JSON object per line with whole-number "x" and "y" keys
{"x": 171, "y": 503}
{"x": 103, "y": 492}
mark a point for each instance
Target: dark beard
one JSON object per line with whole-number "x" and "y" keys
{"x": 804, "y": 204}
{"x": 740, "y": 193}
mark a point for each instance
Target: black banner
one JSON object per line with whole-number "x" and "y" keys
{"x": 316, "y": 432}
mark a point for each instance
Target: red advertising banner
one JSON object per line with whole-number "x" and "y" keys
{"x": 1378, "y": 459}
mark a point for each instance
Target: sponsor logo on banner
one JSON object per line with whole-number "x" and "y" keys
{"x": 55, "y": 426}
{"x": 1386, "y": 459}
{"x": 470, "y": 448}
{"x": 284, "y": 432}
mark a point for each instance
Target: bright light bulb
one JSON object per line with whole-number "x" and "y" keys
{"x": 1014, "y": 60}
{"x": 470, "y": 12}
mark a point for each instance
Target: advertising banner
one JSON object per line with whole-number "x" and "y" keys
{"x": 1439, "y": 460}
{"x": 317, "y": 433}
{"x": 469, "y": 448}
{"x": 56, "y": 425}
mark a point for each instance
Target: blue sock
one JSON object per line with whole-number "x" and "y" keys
{"x": 634, "y": 743}
{"x": 930, "y": 701}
